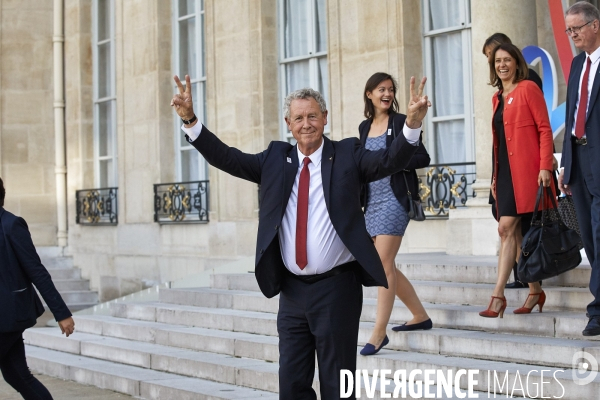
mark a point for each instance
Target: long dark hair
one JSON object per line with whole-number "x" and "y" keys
{"x": 522, "y": 70}
{"x": 371, "y": 85}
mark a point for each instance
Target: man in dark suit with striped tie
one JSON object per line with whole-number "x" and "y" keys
{"x": 580, "y": 174}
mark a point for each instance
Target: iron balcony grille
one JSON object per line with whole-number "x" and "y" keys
{"x": 181, "y": 202}
{"x": 444, "y": 187}
{"x": 97, "y": 206}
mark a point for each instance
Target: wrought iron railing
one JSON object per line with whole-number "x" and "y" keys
{"x": 444, "y": 187}
{"x": 97, "y": 206}
{"x": 181, "y": 202}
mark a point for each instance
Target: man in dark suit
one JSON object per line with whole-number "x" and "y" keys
{"x": 312, "y": 244}
{"x": 580, "y": 174}
{"x": 19, "y": 303}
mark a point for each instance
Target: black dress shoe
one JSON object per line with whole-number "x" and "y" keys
{"x": 592, "y": 328}
{"x": 425, "y": 325}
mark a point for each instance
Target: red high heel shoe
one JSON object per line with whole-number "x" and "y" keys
{"x": 489, "y": 313}
{"x": 540, "y": 303}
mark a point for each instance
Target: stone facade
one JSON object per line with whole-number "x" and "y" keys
{"x": 243, "y": 107}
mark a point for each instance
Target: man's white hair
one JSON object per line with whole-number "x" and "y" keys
{"x": 303, "y": 94}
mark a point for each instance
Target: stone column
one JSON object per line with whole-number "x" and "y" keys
{"x": 473, "y": 230}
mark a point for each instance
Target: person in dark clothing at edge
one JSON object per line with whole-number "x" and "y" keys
{"x": 20, "y": 269}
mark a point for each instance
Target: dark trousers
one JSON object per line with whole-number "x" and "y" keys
{"x": 322, "y": 317}
{"x": 14, "y": 368}
{"x": 586, "y": 198}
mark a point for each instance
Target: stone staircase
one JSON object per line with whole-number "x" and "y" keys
{"x": 74, "y": 290}
{"x": 221, "y": 342}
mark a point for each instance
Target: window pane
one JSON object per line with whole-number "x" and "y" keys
{"x": 297, "y": 21}
{"x": 298, "y": 75}
{"x": 105, "y": 133}
{"x": 187, "y": 48}
{"x": 189, "y": 165}
{"x": 450, "y": 141}
{"x": 444, "y": 14}
{"x": 106, "y": 173}
{"x": 321, "y": 28}
{"x": 104, "y": 71}
{"x": 186, "y": 7}
{"x": 202, "y": 72}
{"x": 199, "y": 93}
{"x": 448, "y": 75}
{"x": 103, "y": 19}
{"x": 323, "y": 79}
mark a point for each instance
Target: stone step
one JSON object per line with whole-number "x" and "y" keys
{"x": 237, "y": 344}
{"x": 562, "y": 386}
{"x": 134, "y": 381}
{"x": 443, "y": 315}
{"x": 553, "y": 352}
{"x": 202, "y": 317}
{"x": 450, "y": 279}
{"x": 65, "y": 285}
{"x": 57, "y": 262}
{"x": 79, "y": 297}
{"x": 65, "y": 273}
{"x": 557, "y": 298}
{"x": 563, "y": 324}
{"x": 578, "y": 277}
{"x": 196, "y": 364}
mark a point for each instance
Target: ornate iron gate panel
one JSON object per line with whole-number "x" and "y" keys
{"x": 181, "y": 202}
{"x": 97, "y": 206}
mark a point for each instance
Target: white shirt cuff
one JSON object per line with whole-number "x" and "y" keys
{"x": 411, "y": 135}
{"x": 192, "y": 132}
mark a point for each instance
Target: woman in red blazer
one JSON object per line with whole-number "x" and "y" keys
{"x": 522, "y": 161}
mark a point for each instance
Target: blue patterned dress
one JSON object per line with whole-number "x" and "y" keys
{"x": 385, "y": 215}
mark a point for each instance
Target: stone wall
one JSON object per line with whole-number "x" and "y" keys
{"x": 26, "y": 115}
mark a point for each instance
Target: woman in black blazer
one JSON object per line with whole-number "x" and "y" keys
{"x": 386, "y": 206}
{"x": 20, "y": 305}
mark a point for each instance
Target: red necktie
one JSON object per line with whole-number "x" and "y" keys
{"x": 302, "y": 215}
{"x": 583, "y": 100}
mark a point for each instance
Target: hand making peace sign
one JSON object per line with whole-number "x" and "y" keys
{"x": 417, "y": 105}
{"x": 182, "y": 101}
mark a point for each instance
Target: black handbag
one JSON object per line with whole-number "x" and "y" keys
{"x": 415, "y": 211}
{"x": 550, "y": 247}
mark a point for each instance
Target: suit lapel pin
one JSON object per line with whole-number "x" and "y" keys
{"x": 289, "y": 160}
{"x": 510, "y": 100}
{"x": 389, "y": 132}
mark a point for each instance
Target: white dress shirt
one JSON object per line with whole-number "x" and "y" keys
{"x": 594, "y": 57}
{"x": 324, "y": 248}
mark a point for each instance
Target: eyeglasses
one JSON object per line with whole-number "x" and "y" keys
{"x": 577, "y": 29}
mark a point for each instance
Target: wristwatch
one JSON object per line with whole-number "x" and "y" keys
{"x": 189, "y": 121}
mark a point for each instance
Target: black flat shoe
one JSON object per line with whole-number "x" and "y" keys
{"x": 425, "y": 325}
{"x": 592, "y": 328}
{"x": 516, "y": 285}
{"x": 370, "y": 350}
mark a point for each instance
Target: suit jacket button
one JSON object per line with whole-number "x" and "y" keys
{"x": 261, "y": 251}
{"x": 276, "y": 227}
{"x": 508, "y": 138}
{"x": 511, "y": 153}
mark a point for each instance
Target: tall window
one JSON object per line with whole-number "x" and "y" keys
{"x": 302, "y": 49}
{"x": 447, "y": 31}
{"x": 105, "y": 125}
{"x": 188, "y": 57}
